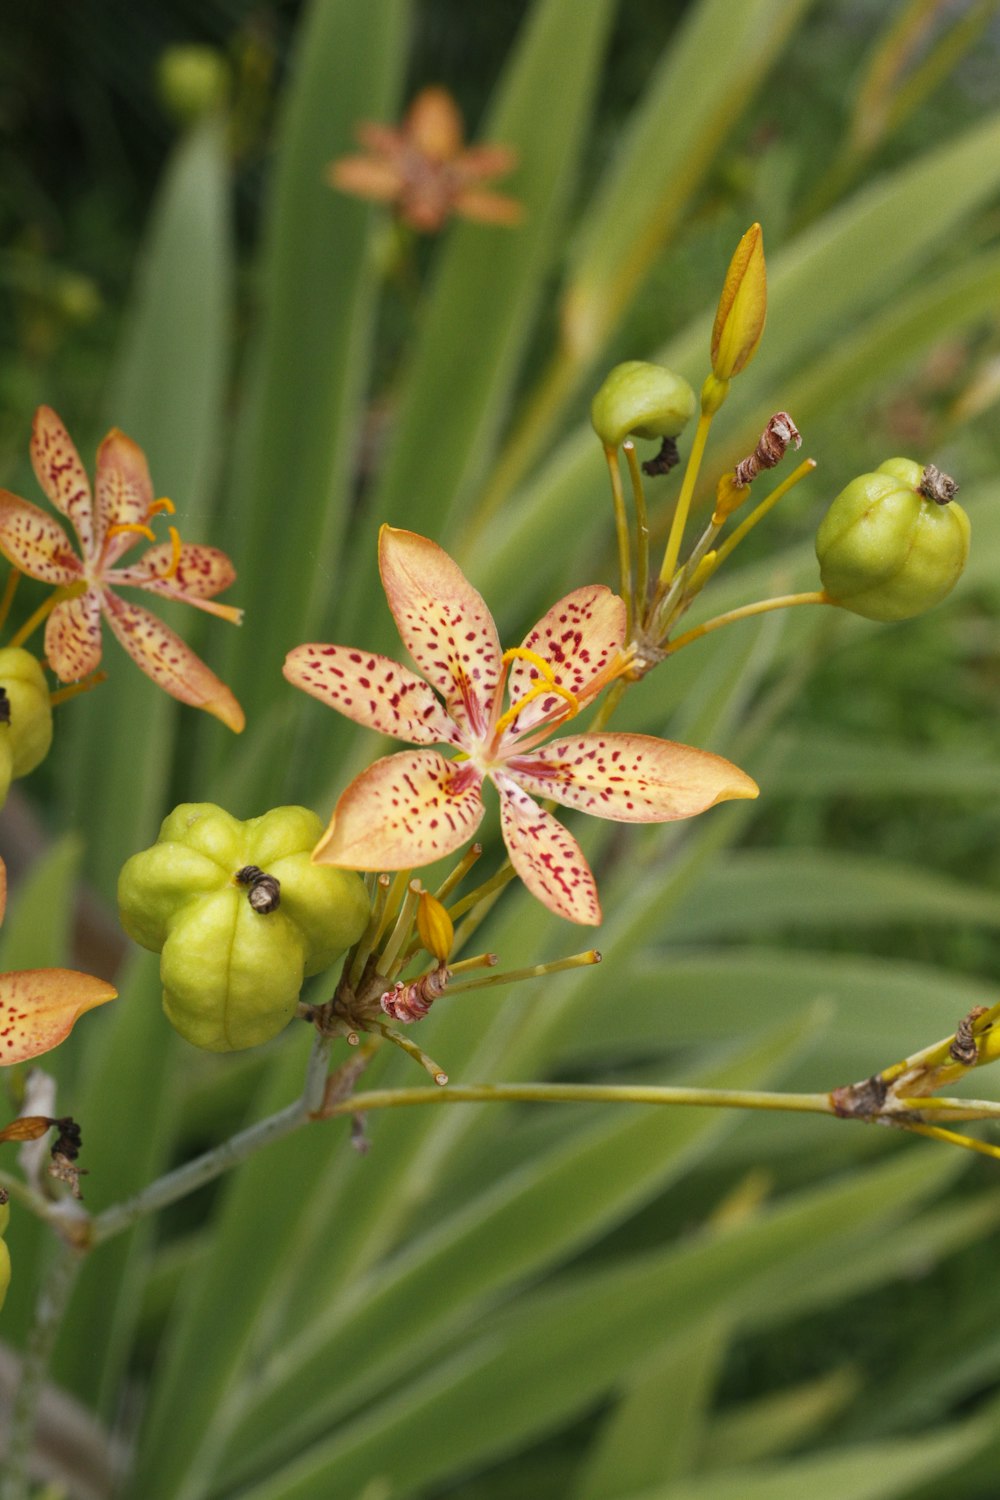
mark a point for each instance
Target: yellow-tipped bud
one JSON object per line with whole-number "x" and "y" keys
{"x": 641, "y": 400}
{"x": 739, "y": 321}
{"x": 434, "y": 926}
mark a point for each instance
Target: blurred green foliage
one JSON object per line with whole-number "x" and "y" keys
{"x": 597, "y": 1305}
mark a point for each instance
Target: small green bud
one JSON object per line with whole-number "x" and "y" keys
{"x": 25, "y": 716}
{"x": 641, "y": 400}
{"x": 232, "y": 964}
{"x": 192, "y": 80}
{"x": 893, "y": 543}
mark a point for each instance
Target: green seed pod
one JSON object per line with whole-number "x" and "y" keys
{"x": 26, "y": 717}
{"x": 232, "y": 964}
{"x": 4, "y": 1252}
{"x": 641, "y": 400}
{"x": 893, "y": 543}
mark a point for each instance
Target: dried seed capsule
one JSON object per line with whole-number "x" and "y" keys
{"x": 893, "y": 544}
{"x": 26, "y": 726}
{"x": 641, "y": 400}
{"x": 231, "y": 972}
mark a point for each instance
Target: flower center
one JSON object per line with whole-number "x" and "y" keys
{"x": 545, "y": 684}
{"x": 143, "y": 528}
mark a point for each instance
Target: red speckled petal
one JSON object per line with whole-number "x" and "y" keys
{"x": 406, "y": 810}
{"x": 73, "y": 637}
{"x": 35, "y": 543}
{"x": 170, "y": 662}
{"x": 444, "y": 623}
{"x": 632, "y": 778}
{"x": 489, "y": 208}
{"x": 366, "y": 177}
{"x": 373, "y": 691}
{"x": 39, "y": 1006}
{"x": 124, "y": 493}
{"x": 201, "y": 573}
{"x": 547, "y": 858}
{"x": 580, "y": 638}
{"x": 61, "y": 474}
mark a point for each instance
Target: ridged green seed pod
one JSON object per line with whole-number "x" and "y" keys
{"x": 26, "y": 723}
{"x": 641, "y": 400}
{"x": 233, "y": 966}
{"x": 886, "y": 549}
{"x": 4, "y": 1252}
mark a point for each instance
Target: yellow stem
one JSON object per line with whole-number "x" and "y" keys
{"x": 621, "y": 530}
{"x": 761, "y": 607}
{"x": 760, "y": 511}
{"x": 64, "y": 694}
{"x": 411, "y": 1049}
{"x": 953, "y": 1138}
{"x": 684, "y": 498}
{"x": 41, "y": 614}
{"x": 584, "y": 1093}
{"x": 400, "y": 932}
{"x": 642, "y": 528}
{"x": 532, "y": 971}
{"x": 10, "y": 589}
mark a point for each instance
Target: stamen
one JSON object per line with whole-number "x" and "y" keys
{"x": 163, "y": 504}
{"x": 10, "y": 589}
{"x": 538, "y": 689}
{"x": 64, "y": 694}
{"x": 135, "y": 526}
{"x": 175, "y": 543}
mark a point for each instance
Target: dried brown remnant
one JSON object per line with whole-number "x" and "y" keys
{"x": 939, "y": 487}
{"x": 264, "y": 894}
{"x": 965, "y": 1049}
{"x": 668, "y": 458}
{"x": 779, "y": 433}
{"x": 860, "y": 1101}
{"x": 411, "y": 1002}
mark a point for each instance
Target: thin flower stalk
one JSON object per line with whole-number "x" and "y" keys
{"x": 744, "y": 612}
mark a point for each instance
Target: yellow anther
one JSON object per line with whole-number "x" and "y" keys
{"x": 131, "y": 526}
{"x": 175, "y": 543}
{"x": 524, "y": 653}
{"x": 163, "y": 504}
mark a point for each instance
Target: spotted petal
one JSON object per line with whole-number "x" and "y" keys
{"x": 61, "y": 474}
{"x": 632, "y": 778}
{"x": 373, "y": 691}
{"x": 405, "y": 810}
{"x": 200, "y": 573}
{"x": 581, "y": 638}
{"x": 38, "y": 1008}
{"x": 73, "y": 637}
{"x": 367, "y": 177}
{"x": 35, "y": 543}
{"x": 444, "y": 623}
{"x": 169, "y": 661}
{"x": 124, "y": 492}
{"x": 546, "y": 857}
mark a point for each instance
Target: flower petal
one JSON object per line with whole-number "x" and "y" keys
{"x": 61, "y": 474}
{"x": 35, "y": 543}
{"x": 124, "y": 493}
{"x": 169, "y": 661}
{"x": 367, "y": 177}
{"x": 632, "y": 778}
{"x": 488, "y": 208}
{"x": 200, "y": 573}
{"x": 405, "y": 810}
{"x": 546, "y": 857}
{"x": 433, "y": 125}
{"x": 373, "y": 691}
{"x": 39, "y": 1006}
{"x": 444, "y": 623}
{"x": 73, "y": 637}
{"x": 581, "y": 638}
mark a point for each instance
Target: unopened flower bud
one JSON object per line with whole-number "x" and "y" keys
{"x": 434, "y": 926}
{"x": 641, "y": 400}
{"x": 192, "y": 80}
{"x": 893, "y": 544}
{"x": 739, "y": 321}
{"x": 232, "y": 968}
{"x": 25, "y": 716}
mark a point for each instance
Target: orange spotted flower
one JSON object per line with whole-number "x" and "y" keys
{"x": 425, "y": 169}
{"x": 414, "y": 807}
{"x": 107, "y": 523}
{"x": 39, "y": 1006}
